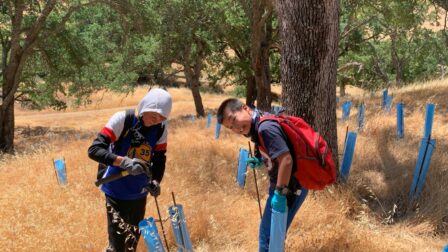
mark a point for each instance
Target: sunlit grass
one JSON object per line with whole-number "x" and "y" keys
{"x": 39, "y": 215}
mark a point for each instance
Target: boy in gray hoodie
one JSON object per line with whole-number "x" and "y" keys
{"x": 140, "y": 150}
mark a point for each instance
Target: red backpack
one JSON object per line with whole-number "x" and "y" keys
{"x": 315, "y": 167}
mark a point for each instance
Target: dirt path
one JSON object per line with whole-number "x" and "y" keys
{"x": 83, "y": 120}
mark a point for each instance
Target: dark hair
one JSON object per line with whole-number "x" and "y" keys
{"x": 232, "y": 104}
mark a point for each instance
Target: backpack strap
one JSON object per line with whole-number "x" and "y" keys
{"x": 294, "y": 184}
{"x": 128, "y": 122}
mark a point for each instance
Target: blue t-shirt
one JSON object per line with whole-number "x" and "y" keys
{"x": 274, "y": 139}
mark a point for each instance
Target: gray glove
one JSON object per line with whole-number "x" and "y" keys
{"x": 153, "y": 188}
{"x": 134, "y": 166}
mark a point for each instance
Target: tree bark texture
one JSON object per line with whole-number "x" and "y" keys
{"x": 192, "y": 76}
{"x": 342, "y": 89}
{"x": 442, "y": 3}
{"x": 251, "y": 91}
{"x": 396, "y": 61}
{"x": 309, "y": 32}
{"x": 261, "y": 33}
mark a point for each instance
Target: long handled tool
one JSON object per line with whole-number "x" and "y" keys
{"x": 161, "y": 224}
{"x": 111, "y": 178}
{"x": 256, "y": 184}
{"x": 124, "y": 173}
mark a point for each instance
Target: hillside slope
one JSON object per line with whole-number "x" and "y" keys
{"x": 39, "y": 215}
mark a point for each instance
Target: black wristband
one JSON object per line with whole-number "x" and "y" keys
{"x": 282, "y": 190}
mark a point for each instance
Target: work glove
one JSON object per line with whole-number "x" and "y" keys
{"x": 255, "y": 162}
{"x": 278, "y": 202}
{"x": 134, "y": 166}
{"x": 153, "y": 188}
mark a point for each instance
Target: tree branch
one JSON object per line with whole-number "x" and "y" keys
{"x": 347, "y": 32}
{"x": 442, "y": 3}
{"x": 71, "y": 10}
{"x": 351, "y": 65}
{"x": 266, "y": 15}
{"x": 32, "y": 34}
{"x": 16, "y": 22}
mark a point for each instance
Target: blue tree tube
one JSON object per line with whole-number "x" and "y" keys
{"x": 148, "y": 229}
{"x": 346, "y": 110}
{"x": 385, "y": 95}
{"x": 388, "y": 105}
{"x": 209, "y": 119}
{"x": 217, "y": 130}
{"x": 429, "y": 118}
{"x": 400, "y": 120}
{"x": 347, "y": 159}
{"x": 242, "y": 167}
{"x": 421, "y": 167}
{"x": 278, "y": 231}
{"x": 179, "y": 227}
{"x": 61, "y": 172}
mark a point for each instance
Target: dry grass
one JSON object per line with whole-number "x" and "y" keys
{"x": 39, "y": 215}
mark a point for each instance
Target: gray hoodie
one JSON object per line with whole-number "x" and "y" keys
{"x": 156, "y": 100}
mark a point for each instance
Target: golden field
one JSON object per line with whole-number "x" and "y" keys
{"x": 40, "y": 215}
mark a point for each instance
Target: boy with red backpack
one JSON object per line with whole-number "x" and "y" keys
{"x": 297, "y": 158}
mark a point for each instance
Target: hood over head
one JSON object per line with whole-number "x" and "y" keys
{"x": 156, "y": 100}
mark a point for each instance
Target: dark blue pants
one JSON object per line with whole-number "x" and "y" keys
{"x": 265, "y": 225}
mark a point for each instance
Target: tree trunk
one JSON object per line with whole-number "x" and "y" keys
{"x": 445, "y": 31}
{"x": 251, "y": 91}
{"x": 6, "y": 125}
{"x": 11, "y": 76}
{"x": 442, "y": 3}
{"x": 342, "y": 89}
{"x": 192, "y": 77}
{"x": 396, "y": 61}
{"x": 377, "y": 67}
{"x": 310, "y": 32}
{"x": 19, "y": 50}
{"x": 261, "y": 33}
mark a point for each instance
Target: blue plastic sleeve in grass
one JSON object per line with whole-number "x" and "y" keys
{"x": 346, "y": 110}
{"x": 400, "y": 120}
{"x": 347, "y": 159}
{"x": 426, "y": 163}
{"x": 209, "y": 119}
{"x": 385, "y": 95}
{"x": 429, "y": 117}
{"x": 361, "y": 116}
{"x": 418, "y": 167}
{"x": 179, "y": 227}
{"x": 217, "y": 130}
{"x": 61, "y": 172}
{"x": 278, "y": 231}
{"x": 242, "y": 167}
{"x": 148, "y": 229}
{"x": 445, "y": 249}
{"x": 388, "y": 105}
